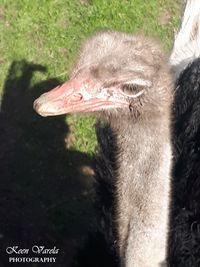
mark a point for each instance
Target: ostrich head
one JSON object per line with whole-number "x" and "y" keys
{"x": 114, "y": 72}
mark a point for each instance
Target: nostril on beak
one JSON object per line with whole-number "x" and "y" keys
{"x": 76, "y": 98}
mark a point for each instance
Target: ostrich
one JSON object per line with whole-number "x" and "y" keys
{"x": 184, "y": 246}
{"x": 125, "y": 79}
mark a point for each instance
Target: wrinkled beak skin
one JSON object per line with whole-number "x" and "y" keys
{"x": 78, "y": 95}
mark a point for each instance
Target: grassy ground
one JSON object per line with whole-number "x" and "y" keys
{"x": 49, "y": 33}
{"x": 46, "y": 185}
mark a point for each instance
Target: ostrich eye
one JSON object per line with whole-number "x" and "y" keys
{"x": 134, "y": 88}
{"x": 131, "y": 88}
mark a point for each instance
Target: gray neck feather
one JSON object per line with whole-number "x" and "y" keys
{"x": 143, "y": 187}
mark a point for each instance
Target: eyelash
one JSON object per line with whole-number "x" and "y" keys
{"x": 131, "y": 88}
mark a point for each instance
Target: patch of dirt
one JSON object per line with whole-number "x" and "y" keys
{"x": 63, "y": 51}
{"x": 164, "y": 17}
{"x": 2, "y": 60}
{"x": 84, "y": 2}
{"x": 64, "y": 23}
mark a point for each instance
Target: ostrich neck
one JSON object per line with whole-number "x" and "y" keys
{"x": 142, "y": 147}
{"x": 144, "y": 160}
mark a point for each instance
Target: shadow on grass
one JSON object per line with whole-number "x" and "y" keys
{"x": 45, "y": 199}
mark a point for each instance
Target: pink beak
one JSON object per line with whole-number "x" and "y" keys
{"x": 78, "y": 95}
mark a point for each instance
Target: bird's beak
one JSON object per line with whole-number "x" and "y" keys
{"x": 78, "y": 95}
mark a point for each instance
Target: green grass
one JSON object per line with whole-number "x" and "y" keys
{"x": 49, "y": 33}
